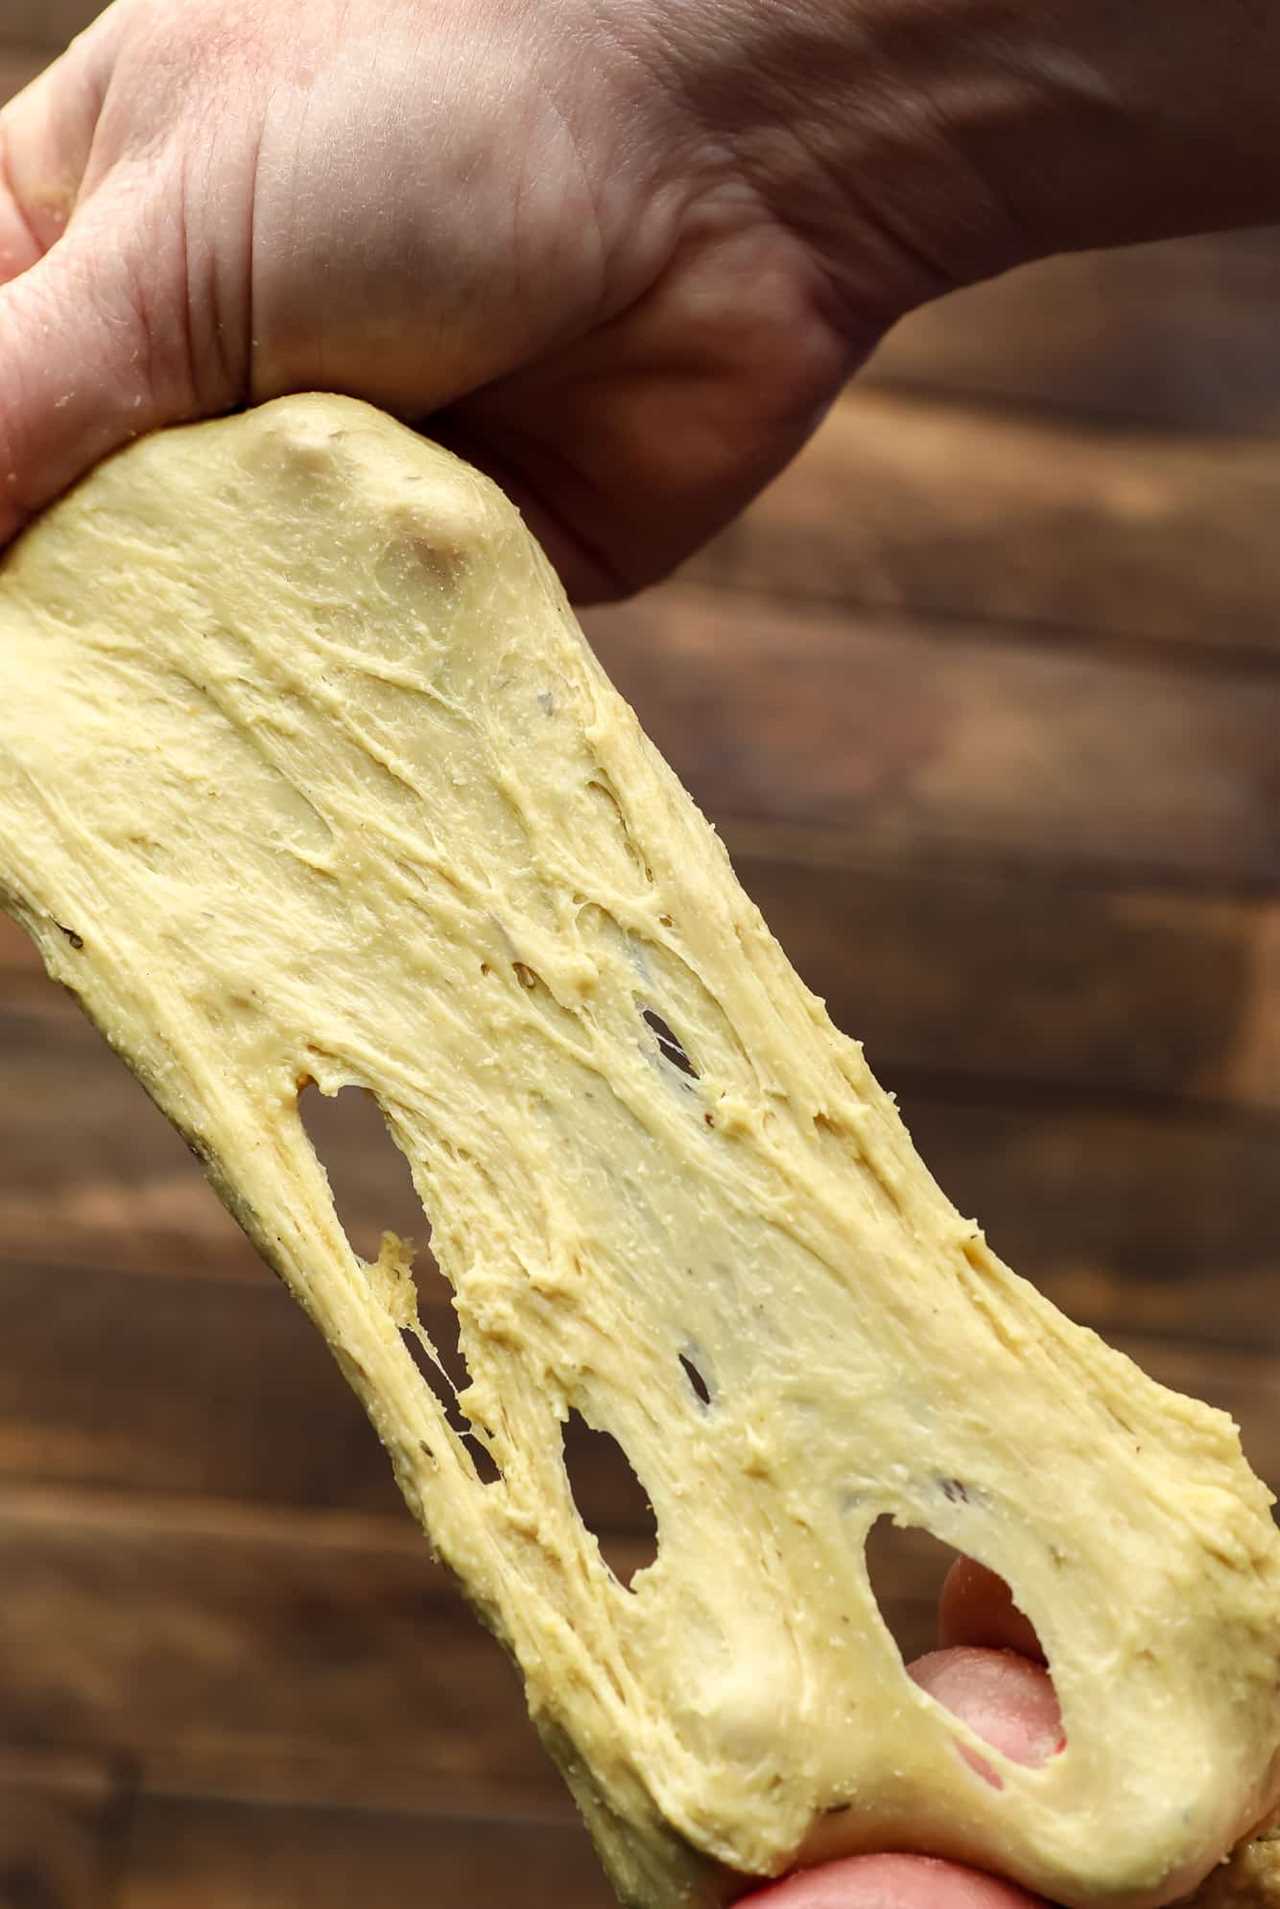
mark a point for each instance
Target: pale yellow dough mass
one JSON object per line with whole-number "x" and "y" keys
{"x": 307, "y": 774}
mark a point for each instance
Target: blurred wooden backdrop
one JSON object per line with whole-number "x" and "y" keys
{"x": 985, "y": 698}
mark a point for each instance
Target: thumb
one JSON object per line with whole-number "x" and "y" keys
{"x": 74, "y": 377}
{"x": 89, "y": 356}
{"x": 45, "y": 132}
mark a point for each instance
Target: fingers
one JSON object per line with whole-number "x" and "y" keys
{"x": 78, "y": 373}
{"x": 1010, "y": 1703}
{"x": 40, "y": 173}
{"x": 977, "y": 1607}
{"x": 46, "y": 137}
{"x": 79, "y": 370}
{"x": 20, "y": 245}
{"x": 21, "y": 239}
{"x": 1006, "y": 1700}
{"x": 893, "y": 1882}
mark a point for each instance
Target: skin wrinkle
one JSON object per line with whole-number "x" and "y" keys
{"x": 926, "y": 85}
{"x": 183, "y": 240}
{"x": 757, "y": 94}
{"x": 926, "y": 141}
{"x": 249, "y": 338}
{"x": 645, "y": 174}
{"x": 736, "y": 230}
{"x": 600, "y": 309}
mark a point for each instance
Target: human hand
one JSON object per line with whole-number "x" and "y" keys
{"x": 989, "y": 1671}
{"x": 621, "y": 253}
{"x": 498, "y": 217}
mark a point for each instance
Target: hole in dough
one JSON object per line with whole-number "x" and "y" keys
{"x": 611, "y": 1501}
{"x": 978, "y": 1608}
{"x": 907, "y": 1568}
{"x": 1006, "y": 1699}
{"x": 373, "y": 1191}
{"x": 442, "y": 1363}
{"x": 670, "y": 1046}
{"x": 380, "y": 1213}
{"x": 697, "y": 1384}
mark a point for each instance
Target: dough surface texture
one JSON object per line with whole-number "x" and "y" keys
{"x": 307, "y": 774}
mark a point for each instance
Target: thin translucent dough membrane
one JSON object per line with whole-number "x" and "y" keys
{"x": 307, "y": 775}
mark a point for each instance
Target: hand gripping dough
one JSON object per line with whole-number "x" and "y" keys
{"x": 306, "y": 774}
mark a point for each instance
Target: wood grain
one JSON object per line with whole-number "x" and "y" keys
{"x": 1133, "y": 1225}
{"x": 17, "y": 954}
{"x": 930, "y": 743}
{"x": 1178, "y": 333}
{"x": 1013, "y": 981}
{"x": 949, "y": 509}
{"x": 983, "y": 696}
{"x": 1020, "y": 977}
{"x": 273, "y": 1659}
{"x": 224, "y": 1652}
{"x": 1165, "y": 1237}
{"x": 201, "y": 1386}
{"x": 89, "y": 1170}
{"x": 1015, "y": 977}
{"x": 59, "y": 1827}
{"x": 193, "y": 1854}
{"x": 256, "y": 1656}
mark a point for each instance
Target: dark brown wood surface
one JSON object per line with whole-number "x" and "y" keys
{"x": 984, "y": 697}
{"x": 62, "y": 1818}
{"x": 232, "y": 1855}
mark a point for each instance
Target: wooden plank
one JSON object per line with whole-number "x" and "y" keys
{"x": 943, "y": 508}
{"x": 1010, "y": 979}
{"x": 320, "y": 1659}
{"x": 928, "y": 742}
{"x": 1180, "y": 333}
{"x": 324, "y": 1660}
{"x": 196, "y": 1385}
{"x": 220, "y": 1388}
{"x": 17, "y": 953}
{"x": 185, "y": 1385}
{"x": 1018, "y": 977}
{"x": 194, "y": 1854}
{"x": 1025, "y": 978}
{"x": 1133, "y": 1225}
{"x": 1144, "y": 999}
{"x": 88, "y": 1169}
{"x": 58, "y": 1827}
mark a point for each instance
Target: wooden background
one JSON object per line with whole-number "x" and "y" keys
{"x": 985, "y": 699}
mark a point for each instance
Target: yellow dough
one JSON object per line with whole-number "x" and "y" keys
{"x": 307, "y": 774}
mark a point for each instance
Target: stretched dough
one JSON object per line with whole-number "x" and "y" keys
{"x": 306, "y": 774}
